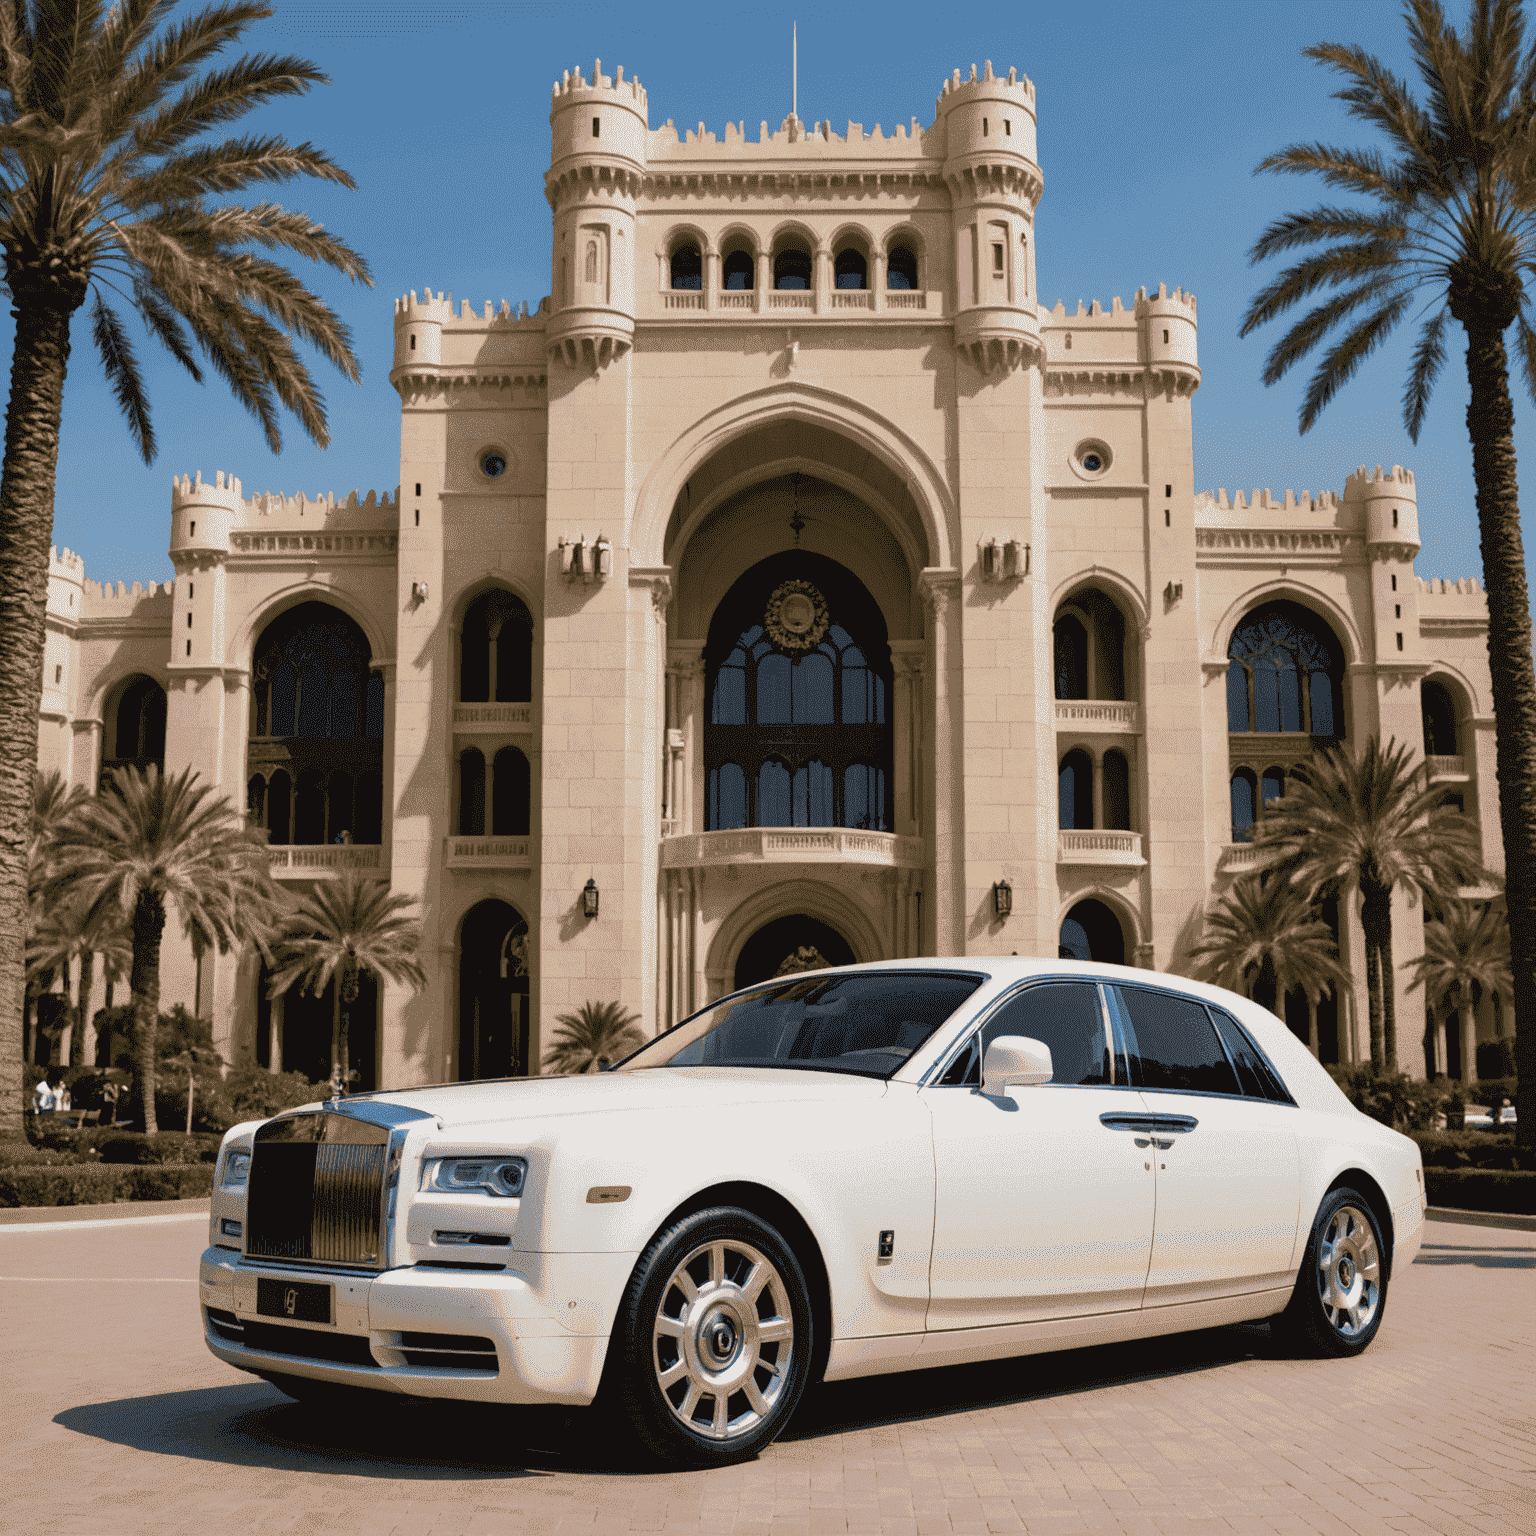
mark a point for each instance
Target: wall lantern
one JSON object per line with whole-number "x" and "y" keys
{"x": 1002, "y": 898}
{"x": 589, "y": 899}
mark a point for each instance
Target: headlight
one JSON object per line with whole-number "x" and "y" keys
{"x": 495, "y": 1175}
{"x": 237, "y": 1168}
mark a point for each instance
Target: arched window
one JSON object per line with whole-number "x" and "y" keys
{"x": 1271, "y": 787}
{"x": 471, "y": 793}
{"x": 1091, "y": 931}
{"x": 792, "y": 268}
{"x": 317, "y": 723}
{"x": 687, "y": 267}
{"x": 736, "y": 271}
{"x": 798, "y": 733}
{"x": 137, "y": 736}
{"x": 590, "y": 274}
{"x": 1285, "y": 673}
{"x": 1075, "y": 791}
{"x": 496, "y": 651}
{"x": 901, "y": 268}
{"x": 510, "y": 794}
{"x": 1090, "y": 648}
{"x": 1439, "y": 720}
{"x": 1244, "y": 805}
{"x": 1117, "y": 791}
{"x": 850, "y": 270}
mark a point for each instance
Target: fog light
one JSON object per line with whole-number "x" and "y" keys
{"x": 230, "y": 1228}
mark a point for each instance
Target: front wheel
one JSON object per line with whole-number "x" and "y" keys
{"x": 1341, "y": 1291}
{"x": 714, "y": 1339}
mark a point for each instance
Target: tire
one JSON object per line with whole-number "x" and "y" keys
{"x": 1341, "y": 1291}
{"x": 714, "y": 1340}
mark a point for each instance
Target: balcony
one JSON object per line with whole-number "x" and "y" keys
{"x": 1110, "y": 716}
{"x": 793, "y": 845}
{"x": 1241, "y": 858}
{"x": 324, "y": 861}
{"x": 494, "y": 719}
{"x": 803, "y": 299}
{"x": 488, "y": 853}
{"x": 1099, "y": 847}
{"x": 1450, "y": 770}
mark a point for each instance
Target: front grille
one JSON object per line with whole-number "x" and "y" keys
{"x": 449, "y": 1351}
{"x": 311, "y": 1344}
{"x": 316, "y": 1190}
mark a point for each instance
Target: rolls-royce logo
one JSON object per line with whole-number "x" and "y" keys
{"x": 290, "y": 1301}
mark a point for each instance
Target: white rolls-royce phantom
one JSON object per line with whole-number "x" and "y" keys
{"x": 837, "y": 1173}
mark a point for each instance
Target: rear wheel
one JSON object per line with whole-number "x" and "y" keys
{"x": 1341, "y": 1291}
{"x": 714, "y": 1339}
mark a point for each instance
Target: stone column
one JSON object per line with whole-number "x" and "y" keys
{"x": 943, "y": 807}
{"x": 711, "y": 278}
{"x": 907, "y": 732}
{"x": 877, "y": 277}
{"x": 764, "y": 279}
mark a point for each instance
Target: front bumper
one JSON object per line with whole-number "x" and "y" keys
{"x": 549, "y": 1321}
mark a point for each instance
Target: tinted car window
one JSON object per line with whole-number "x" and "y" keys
{"x": 868, "y": 1023}
{"x": 1171, "y": 1043}
{"x": 1258, "y": 1078}
{"x": 1061, "y": 1014}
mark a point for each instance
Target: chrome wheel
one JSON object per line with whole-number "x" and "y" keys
{"x": 722, "y": 1339}
{"x": 1348, "y": 1272}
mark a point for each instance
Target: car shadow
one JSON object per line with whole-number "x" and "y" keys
{"x": 872, "y": 1402}
{"x": 254, "y": 1425}
{"x": 1479, "y": 1258}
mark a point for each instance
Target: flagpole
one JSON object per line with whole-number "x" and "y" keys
{"x": 794, "y": 72}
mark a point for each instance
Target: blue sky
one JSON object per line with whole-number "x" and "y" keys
{"x": 1152, "y": 119}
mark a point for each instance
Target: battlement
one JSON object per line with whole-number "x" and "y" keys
{"x": 1446, "y": 586}
{"x": 1265, "y": 500}
{"x": 956, "y": 89}
{"x": 814, "y": 140}
{"x": 1398, "y": 483}
{"x": 572, "y": 85}
{"x": 66, "y": 563}
{"x": 437, "y": 309}
{"x": 1163, "y": 303}
{"x": 376, "y": 509}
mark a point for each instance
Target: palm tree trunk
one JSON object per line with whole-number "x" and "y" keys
{"x": 1490, "y": 425}
{"x": 336, "y": 1028}
{"x": 39, "y": 358}
{"x": 86, "y": 1047}
{"x": 1466, "y": 1022}
{"x": 1373, "y": 994}
{"x": 1265, "y": 988}
{"x": 1388, "y": 992}
{"x": 144, "y": 987}
{"x": 1442, "y": 1060}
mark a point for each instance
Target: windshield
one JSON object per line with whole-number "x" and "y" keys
{"x": 864, "y": 1022}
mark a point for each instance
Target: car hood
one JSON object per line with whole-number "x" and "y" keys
{"x": 669, "y": 1089}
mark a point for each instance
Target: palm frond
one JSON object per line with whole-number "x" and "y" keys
{"x": 595, "y": 1033}
{"x": 1428, "y": 359}
{"x": 352, "y": 926}
{"x": 1326, "y": 223}
{"x": 122, "y": 370}
{"x": 161, "y": 321}
{"x": 231, "y": 166}
{"x": 1342, "y": 361}
{"x": 1312, "y": 327}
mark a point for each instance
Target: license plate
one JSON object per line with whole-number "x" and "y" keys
{"x": 305, "y": 1301}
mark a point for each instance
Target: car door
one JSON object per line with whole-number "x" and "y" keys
{"x": 1228, "y": 1165}
{"x": 1043, "y": 1200}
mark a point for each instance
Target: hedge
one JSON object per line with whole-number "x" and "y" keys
{"x": 1472, "y": 1149}
{"x": 103, "y": 1184}
{"x": 1482, "y": 1189}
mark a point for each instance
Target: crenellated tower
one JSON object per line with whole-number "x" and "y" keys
{"x": 202, "y": 515}
{"x": 1389, "y": 515}
{"x": 598, "y": 131}
{"x": 995, "y": 186}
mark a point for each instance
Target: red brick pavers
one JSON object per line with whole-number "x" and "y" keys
{"x": 121, "y": 1422}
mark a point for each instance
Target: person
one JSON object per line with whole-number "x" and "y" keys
{"x": 109, "y": 1094}
{"x": 42, "y": 1097}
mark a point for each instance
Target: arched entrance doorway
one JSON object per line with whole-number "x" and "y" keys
{"x": 493, "y": 993}
{"x": 793, "y": 943}
{"x": 1091, "y": 931}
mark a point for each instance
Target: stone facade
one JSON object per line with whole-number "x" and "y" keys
{"x": 797, "y": 362}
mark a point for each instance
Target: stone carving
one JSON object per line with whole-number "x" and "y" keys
{"x": 796, "y": 617}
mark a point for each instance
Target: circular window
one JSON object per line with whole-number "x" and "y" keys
{"x": 492, "y": 464}
{"x": 1091, "y": 459}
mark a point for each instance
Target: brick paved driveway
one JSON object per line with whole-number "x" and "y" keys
{"x": 120, "y": 1421}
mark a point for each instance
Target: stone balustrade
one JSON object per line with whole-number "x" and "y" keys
{"x": 324, "y": 861}
{"x": 1098, "y": 846}
{"x": 793, "y": 845}
{"x": 1119, "y": 716}
{"x": 488, "y": 852}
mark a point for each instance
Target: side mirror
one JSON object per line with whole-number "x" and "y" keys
{"x": 1014, "y": 1061}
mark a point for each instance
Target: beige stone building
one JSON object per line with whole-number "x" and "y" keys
{"x": 791, "y": 579}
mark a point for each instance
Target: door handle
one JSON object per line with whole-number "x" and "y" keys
{"x": 1145, "y": 1124}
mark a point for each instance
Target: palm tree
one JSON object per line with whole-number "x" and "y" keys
{"x": 110, "y": 190}
{"x": 52, "y": 800}
{"x": 1465, "y": 949}
{"x": 144, "y": 845}
{"x": 342, "y": 929}
{"x": 1265, "y": 939}
{"x": 593, "y": 1036}
{"x": 1445, "y": 221}
{"x": 58, "y": 937}
{"x": 1374, "y": 823}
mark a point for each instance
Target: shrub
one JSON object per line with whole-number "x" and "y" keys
{"x": 1394, "y": 1098}
{"x": 256, "y": 1094}
{"x": 1495, "y": 1059}
{"x": 135, "y": 1147}
{"x": 100, "y": 1184}
{"x": 15, "y": 1154}
{"x": 1471, "y": 1149}
{"x": 1482, "y": 1189}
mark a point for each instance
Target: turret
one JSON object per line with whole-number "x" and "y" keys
{"x": 1388, "y": 507}
{"x": 1169, "y": 337}
{"x": 201, "y": 517}
{"x": 598, "y": 131}
{"x": 419, "y": 329}
{"x": 994, "y": 183}
{"x": 66, "y": 601}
